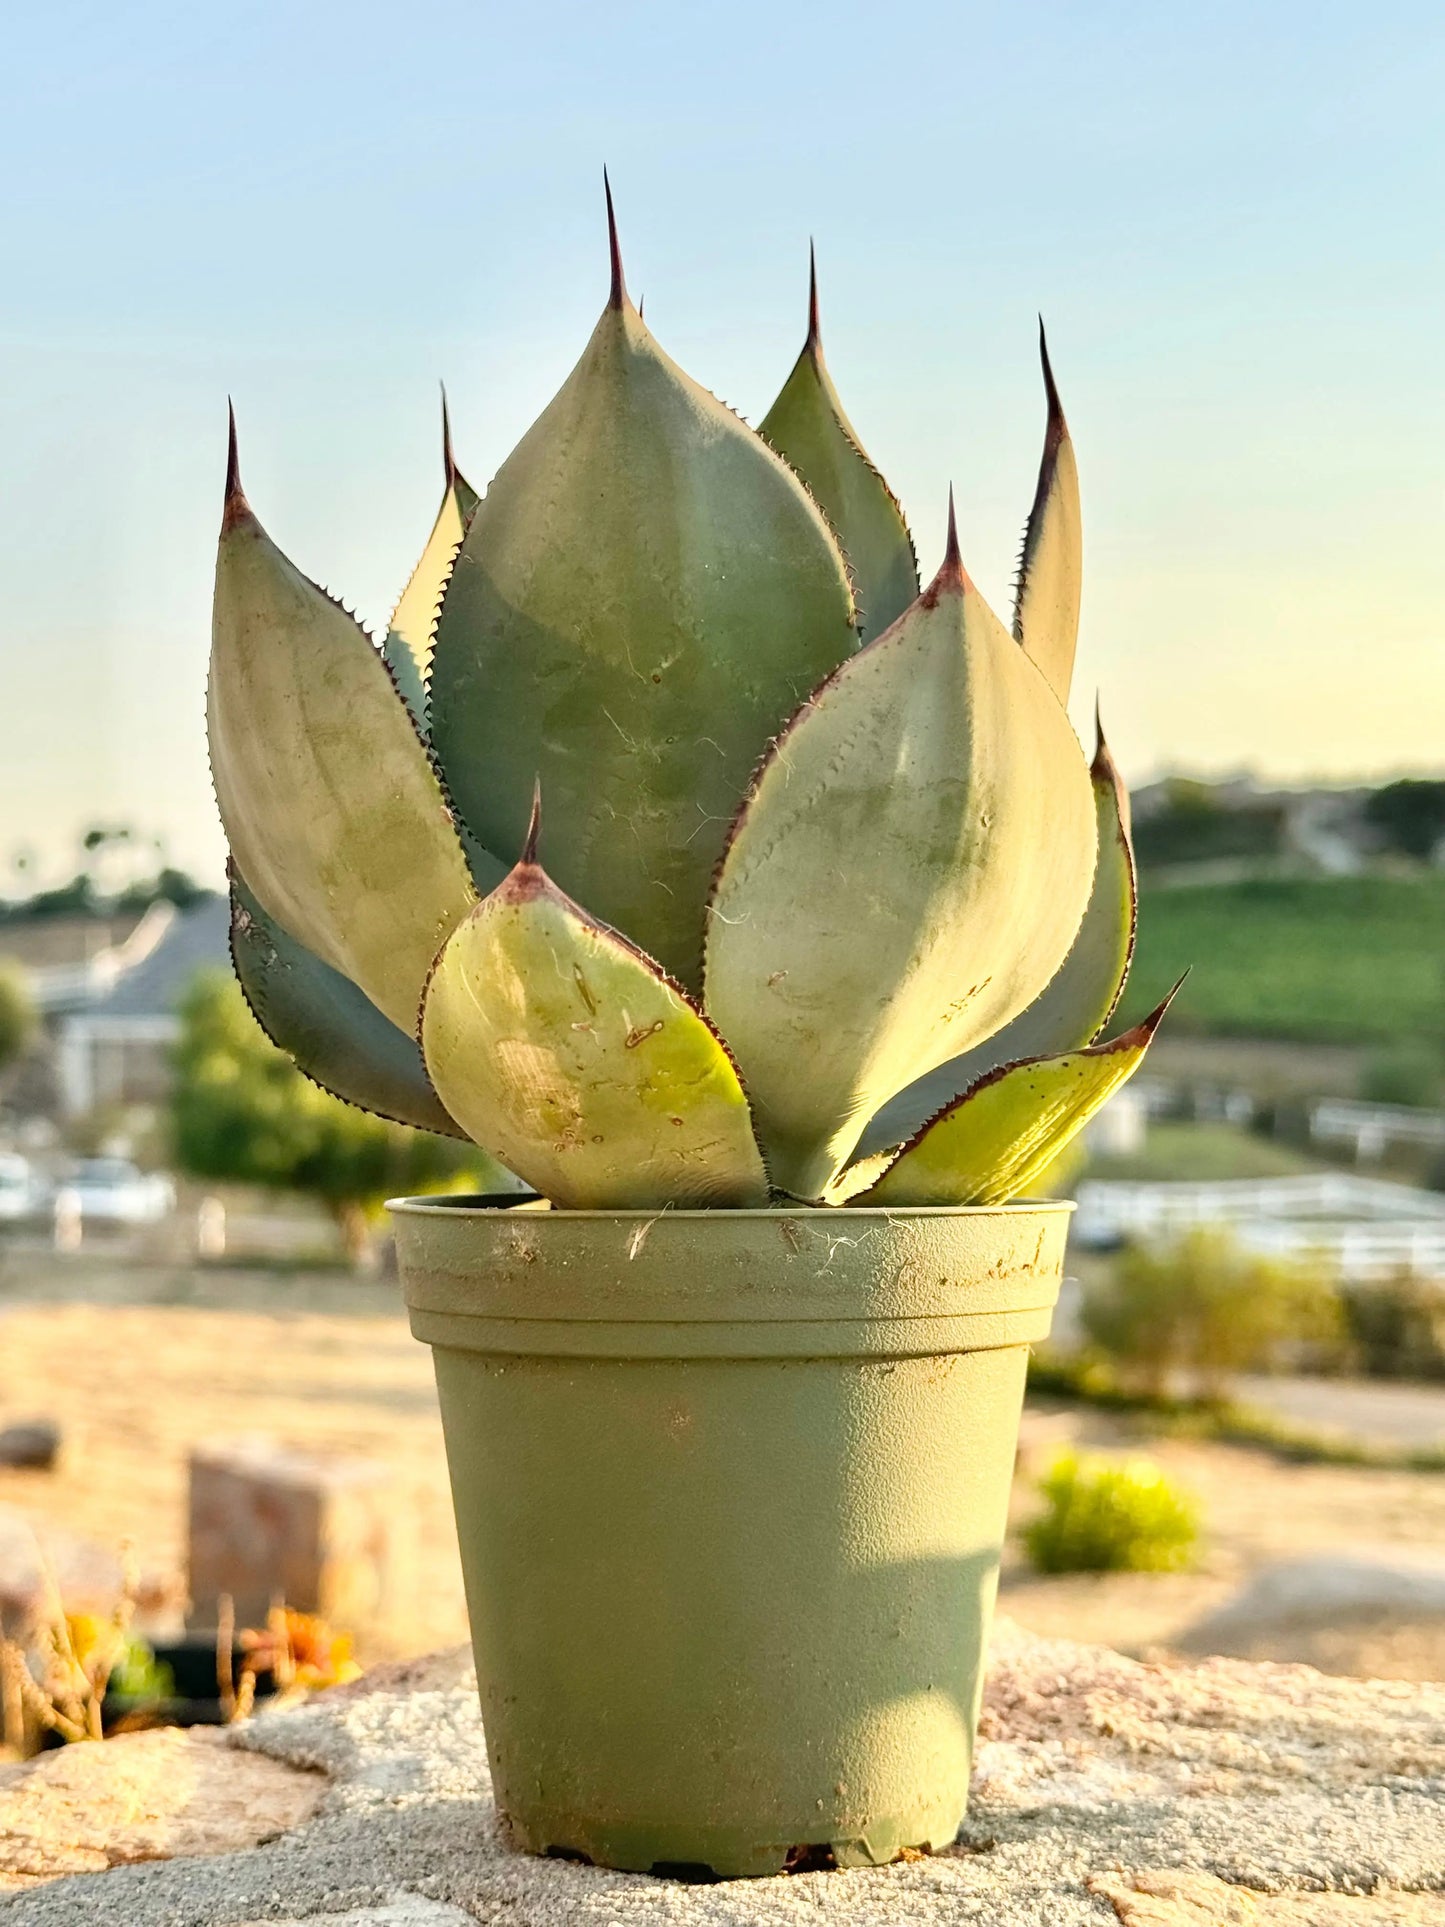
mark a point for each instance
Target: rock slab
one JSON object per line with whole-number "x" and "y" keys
{"x": 1222, "y": 1794}
{"x": 162, "y": 1795}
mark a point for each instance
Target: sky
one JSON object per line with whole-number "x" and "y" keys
{"x": 1230, "y": 216}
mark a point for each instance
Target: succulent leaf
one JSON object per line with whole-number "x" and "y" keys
{"x": 990, "y": 1144}
{"x": 644, "y": 595}
{"x": 328, "y": 1027}
{"x": 570, "y": 1056}
{"x": 1075, "y": 1006}
{"x": 809, "y": 429}
{"x": 330, "y": 803}
{"x": 1051, "y": 567}
{"x": 909, "y": 870}
{"x": 408, "y": 644}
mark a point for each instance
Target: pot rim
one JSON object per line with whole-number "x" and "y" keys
{"x": 495, "y": 1204}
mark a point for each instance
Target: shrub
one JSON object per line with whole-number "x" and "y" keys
{"x": 1192, "y": 825}
{"x": 1398, "y": 1326}
{"x": 1204, "y": 1308}
{"x": 1103, "y": 1515}
{"x": 18, "y": 1021}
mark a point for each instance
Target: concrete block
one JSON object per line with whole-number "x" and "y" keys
{"x": 266, "y": 1522}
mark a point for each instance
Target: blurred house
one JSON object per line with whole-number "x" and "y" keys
{"x": 1119, "y": 1128}
{"x": 109, "y": 990}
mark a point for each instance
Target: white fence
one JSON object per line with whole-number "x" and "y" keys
{"x": 1372, "y": 1128}
{"x": 1362, "y": 1227}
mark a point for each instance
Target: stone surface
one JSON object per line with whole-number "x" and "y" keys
{"x": 318, "y": 1531}
{"x": 1323, "y": 1609}
{"x": 144, "y": 1796}
{"x": 1199, "y": 1900}
{"x": 1106, "y": 1790}
{"x": 406, "y": 1910}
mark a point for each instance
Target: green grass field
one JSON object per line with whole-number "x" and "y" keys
{"x": 1202, "y": 1154}
{"x": 1346, "y": 960}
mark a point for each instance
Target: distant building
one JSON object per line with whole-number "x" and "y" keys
{"x": 109, "y": 992}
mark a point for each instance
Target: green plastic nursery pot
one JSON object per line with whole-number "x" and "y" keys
{"x": 730, "y": 1490}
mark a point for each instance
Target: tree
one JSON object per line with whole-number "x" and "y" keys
{"x": 113, "y": 877}
{"x": 17, "y": 1017}
{"x": 1204, "y": 1308}
{"x": 1191, "y": 824}
{"x": 241, "y": 1112}
{"x": 1410, "y": 815}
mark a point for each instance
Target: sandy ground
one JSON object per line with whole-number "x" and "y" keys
{"x": 137, "y": 1385}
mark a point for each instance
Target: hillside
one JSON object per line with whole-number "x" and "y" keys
{"x": 1357, "y": 959}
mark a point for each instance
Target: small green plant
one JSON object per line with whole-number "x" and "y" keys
{"x": 836, "y": 909}
{"x": 138, "y": 1675}
{"x": 1106, "y": 1515}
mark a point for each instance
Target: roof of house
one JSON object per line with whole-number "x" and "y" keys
{"x": 195, "y": 939}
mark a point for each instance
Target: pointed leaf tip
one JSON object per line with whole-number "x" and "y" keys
{"x": 534, "y": 825}
{"x": 814, "y": 342}
{"x": 951, "y": 572}
{"x": 617, "y": 297}
{"x": 449, "y": 464}
{"x": 991, "y": 1143}
{"x": 1057, "y": 425}
{"x": 1046, "y": 602}
{"x": 235, "y": 494}
{"x": 1103, "y": 763}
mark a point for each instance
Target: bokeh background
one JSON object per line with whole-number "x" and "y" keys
{"x": 1229, "y": 219}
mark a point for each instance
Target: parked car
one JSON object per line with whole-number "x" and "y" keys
{"x": 22, "y": 1195}
{"x": 113, "y": 1191}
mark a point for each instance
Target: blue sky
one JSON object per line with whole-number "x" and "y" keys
{"x": 1229, "y": 215}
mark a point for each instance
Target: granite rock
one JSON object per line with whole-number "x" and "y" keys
{"x": 1106, "y": 1790}
{"x": 167, "y": 1794}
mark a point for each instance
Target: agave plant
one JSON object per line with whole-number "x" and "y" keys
{"x": 834, "y": 907}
